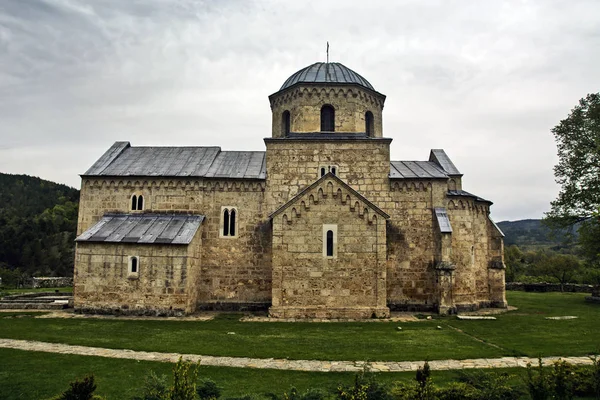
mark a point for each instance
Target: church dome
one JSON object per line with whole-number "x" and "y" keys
{"x": 326, "y": 73}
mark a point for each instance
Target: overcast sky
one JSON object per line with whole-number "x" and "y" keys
{"x": 484, "y": 80}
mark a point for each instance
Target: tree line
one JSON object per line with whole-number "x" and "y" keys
{"x": 38, "y": 222}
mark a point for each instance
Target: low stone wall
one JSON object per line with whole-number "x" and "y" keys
{"x": 549, "y": 287}
{"x": 47, "y": 282}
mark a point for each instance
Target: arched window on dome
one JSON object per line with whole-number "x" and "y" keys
{"x": 285, "y": 123}
{"x": 327, "y": 118}
{"x": 369, "y": 125}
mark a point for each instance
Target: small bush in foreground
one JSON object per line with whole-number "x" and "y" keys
{"x": 80, "y": 390}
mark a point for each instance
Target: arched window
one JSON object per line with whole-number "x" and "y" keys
{"x": 134, "y": 266}
{"x": 327, "y": 118}
{"x": 285, "y": 123}
{"x": 137, "y": 202}
{"x": 333, "y": 170}
{"x": 369, "y": 123}
{"x": 323, "y": 171}
{"x": 330, "y": 240}
{"x": 228, "y": 223}
{"x": 232, "y": 222}
{"x": 329, "y": 243}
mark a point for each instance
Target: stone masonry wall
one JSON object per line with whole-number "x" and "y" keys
{"x": 412, "y": 245}
{"x": 234, "y": 269}
{"x": 471, "y": 253}
{"x": 293, "y": 165}
{"x": 306, "y": 283}
{"x": 164, "y": 284}
{"x": 304, "y": 103}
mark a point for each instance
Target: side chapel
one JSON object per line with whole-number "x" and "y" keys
{"x": 321, "y": 224}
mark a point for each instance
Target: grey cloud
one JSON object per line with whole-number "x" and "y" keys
{"x": 485, "y": 80}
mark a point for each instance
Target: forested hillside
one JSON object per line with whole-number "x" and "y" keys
{"x": 531, "y": 233}
{"x": 38, "y": 220}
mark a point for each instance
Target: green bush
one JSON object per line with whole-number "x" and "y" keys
{"x": 458, "y": 391}
{"x": 80, "y": 390}
{"x": 155, "y": 387}
{"x": 185, "y": 375}
{"x": 562, "y": 380}
{"x": 490, "y": 385}
{"x": 537, "y": 381}
{"x": 208, "y": 390}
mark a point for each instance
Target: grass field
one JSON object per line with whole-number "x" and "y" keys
{"x": 521, "y": 332}
{"x": 32, "y": 375}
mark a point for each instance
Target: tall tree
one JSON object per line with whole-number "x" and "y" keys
{"x": 578, "y": 173}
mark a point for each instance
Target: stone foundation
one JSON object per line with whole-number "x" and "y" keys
{"x": 126, "y": 311}
{"x": 329, "y": 312}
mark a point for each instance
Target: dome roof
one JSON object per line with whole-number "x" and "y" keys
{"x": 326, "y": 73}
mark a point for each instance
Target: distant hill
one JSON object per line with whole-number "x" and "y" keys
{"x": 530, "y": 233}
{"x": 38, "y": 221}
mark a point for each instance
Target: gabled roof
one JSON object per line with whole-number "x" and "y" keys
{"x": 143, "y": 229}
{"x": 496, "y": 226}
{"x": 416, "y": 170}
{"x": 329, "y": 175}
{"x": 121, "y": 159}
{"x": 466, "y": 194}
{"x": 440, "y": 157}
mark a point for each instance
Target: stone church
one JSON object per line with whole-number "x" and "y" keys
{"x": 320, "y": 224}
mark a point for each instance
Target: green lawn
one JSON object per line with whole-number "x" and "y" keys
{"x": 527, "y": 332}
{"x": 33, "y": 375}
{"x": 521, "y": 332}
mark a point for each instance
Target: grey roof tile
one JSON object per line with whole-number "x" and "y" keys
{"x": 464, "y": 193}
{"x": 210, "y": 162}
{"x": 321, "y": 72}
{"x": 416, "y": 170}
{"x": 143, "y": 228}
{"x": 440, "y": 157}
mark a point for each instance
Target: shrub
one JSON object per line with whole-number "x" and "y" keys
{"x": 403, "y": 391}
{"x": 208, "y": 390}
{"x": 80, "y": 390}
{"x": 538, "y": 383}
{"x": 458, "y": 391}
{"x": 562, "y": 381}
{"x": 490, "y": 385}
{"x": 185, "y": 375}
{"x": 155, "y": 387}
{"x": 425, "y": 389}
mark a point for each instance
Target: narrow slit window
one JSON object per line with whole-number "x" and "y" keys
{"x": 369, "y": 123}
{"x": 134, "y": 202}
{"x": 333, "y": 170}
{"x": 323, "y": 171}
{"x": 285, "y": 122}
{"x": 330, "y": 243}
{"x": 140, "y": 202}
{"x": 134, "y": 267}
